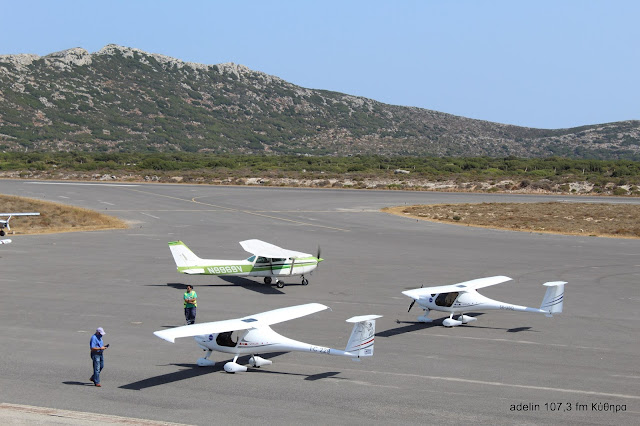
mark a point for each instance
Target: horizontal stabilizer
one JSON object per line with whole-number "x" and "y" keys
{"x": 196, "y": 271}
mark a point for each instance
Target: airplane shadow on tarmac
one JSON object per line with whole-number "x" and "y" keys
{"x": 416, "y": 326}
{"x": 190, "y": 371}
{"x": 232, "y": 282}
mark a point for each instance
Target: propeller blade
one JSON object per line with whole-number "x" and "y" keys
{"x": 414, "y": 301}
{"x": 318, "y": 254}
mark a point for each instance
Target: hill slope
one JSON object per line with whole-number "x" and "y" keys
{"x": 124, "y": 99}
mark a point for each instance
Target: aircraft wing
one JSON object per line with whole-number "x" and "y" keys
{"x": 19, "y": 214}
{"x": 261, "y": 248}
{"x": 252, "y": 321}
{"x": 460, "y": 287}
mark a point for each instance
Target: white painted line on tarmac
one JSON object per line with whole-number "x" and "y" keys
{"x": 82, "y": 184}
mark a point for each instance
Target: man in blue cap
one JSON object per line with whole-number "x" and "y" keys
{"x": 97, "y": 348}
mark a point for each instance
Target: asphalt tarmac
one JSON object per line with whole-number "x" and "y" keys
{"x": 579, "y": 367}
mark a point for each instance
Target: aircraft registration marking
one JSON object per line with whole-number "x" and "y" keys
{"x": 319, "y": 350}
{"x": 224, "y": 269}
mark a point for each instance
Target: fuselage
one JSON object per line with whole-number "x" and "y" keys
{"x": 253, "y": 267}
{"x": 469, "y": 301}
{"x": 256, "y": 341}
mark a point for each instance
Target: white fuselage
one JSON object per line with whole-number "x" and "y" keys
{"x": 250, "y": 269}
{"x": 470, "y": 301}
{"x": 256, "y": 341}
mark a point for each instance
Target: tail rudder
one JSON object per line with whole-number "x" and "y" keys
{"x": 553, "y": 298}
{"x": 182, "y": 255}
{"x": 362, "y": 335}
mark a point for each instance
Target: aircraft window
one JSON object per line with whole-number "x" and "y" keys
{"x": 225, "y": 339}
{"x": 262, "y": 260}
{"x": 274, "y": 260}
{"x": 446, "y": 299}
{"x": 251, "y": 259}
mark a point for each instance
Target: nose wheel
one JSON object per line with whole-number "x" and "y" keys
{"x": 305, "y": 281}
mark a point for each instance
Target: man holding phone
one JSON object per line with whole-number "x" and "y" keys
{"x": 97, "y": 349}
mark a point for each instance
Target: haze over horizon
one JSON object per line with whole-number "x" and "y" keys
{"x": 546, "y": 65}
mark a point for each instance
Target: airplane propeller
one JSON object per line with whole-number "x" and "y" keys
{"x": 414, "y": 301}
{"x": 318, "y": 253}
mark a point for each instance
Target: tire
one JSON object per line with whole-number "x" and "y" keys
{"x": 305, "y": 281}
{"x": 280, "y": 284}
{"x": 267, "y": 280}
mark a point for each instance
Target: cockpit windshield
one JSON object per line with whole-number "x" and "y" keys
{"x": 446, "y": 299}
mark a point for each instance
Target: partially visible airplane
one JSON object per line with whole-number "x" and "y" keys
{"x": 253, "y": 335}
{"x": 267, "y": 261}
{"x": 463, "y": 297}
{"x": 5, "y": 241}
{"x": 4, "y": 223}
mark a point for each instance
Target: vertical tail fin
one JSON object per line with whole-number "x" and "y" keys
{"x": 182, "y": 255}
{"x": 553, "y": 298}
{"x": 362, "y": 335}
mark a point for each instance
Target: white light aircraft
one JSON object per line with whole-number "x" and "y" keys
{"x": 267, "y": 261}
{"x": 253, "y": 335}
{"x": 5, "y": 241}
{"x": 4, "y": 223}
{"x": 463, "y": 297}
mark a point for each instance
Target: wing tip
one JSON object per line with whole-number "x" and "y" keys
{"x": 167, "y": 338}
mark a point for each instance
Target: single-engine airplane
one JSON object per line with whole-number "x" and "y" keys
{"x": 7, "y": 241}
{"x": 253, "y": 335}
{"x": 463, "y": 297}
{"x": 4, "y": 223}
{"x": 267, "y": 261}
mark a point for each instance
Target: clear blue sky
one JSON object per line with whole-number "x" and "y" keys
{"x": 537, "y": 63}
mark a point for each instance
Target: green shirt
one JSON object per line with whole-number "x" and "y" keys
{"x": 190, "y": 295}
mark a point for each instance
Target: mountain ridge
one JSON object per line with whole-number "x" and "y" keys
{"x": 124, "y": 99}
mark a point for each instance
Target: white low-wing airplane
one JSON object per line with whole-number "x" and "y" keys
{"x": 253, "y": 335}
{"x": 463, "y": 297}
{"x": 267, "y": 261}
{"x": 4, "y": 223}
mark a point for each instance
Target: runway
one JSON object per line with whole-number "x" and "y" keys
{"x": 580, "y": 367}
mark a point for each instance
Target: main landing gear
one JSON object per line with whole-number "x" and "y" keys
{"x": 280, "y": 284}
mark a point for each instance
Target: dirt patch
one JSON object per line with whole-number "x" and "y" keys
{"x": 54, "y": 217}
{"x": 594, "y": 219}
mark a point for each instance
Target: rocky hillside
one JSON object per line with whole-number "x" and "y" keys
{"x": 123, "y": 99}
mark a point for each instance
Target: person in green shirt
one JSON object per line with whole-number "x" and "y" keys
{"x": 190, "y": 304}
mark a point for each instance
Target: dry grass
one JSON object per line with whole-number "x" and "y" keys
{"x": 605, "y": 220}
{"x": 54, "y": 217}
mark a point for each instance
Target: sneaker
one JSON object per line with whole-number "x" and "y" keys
{"x": 98, "y": 385}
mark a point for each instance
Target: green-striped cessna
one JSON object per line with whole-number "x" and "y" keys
{"x": 267, "y": 260}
